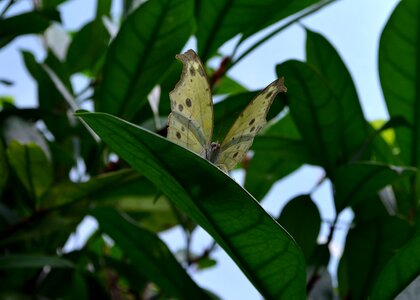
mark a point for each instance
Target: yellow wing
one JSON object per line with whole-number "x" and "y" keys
{"x": 191, "y": 120}
{"x": 241, "y": 135}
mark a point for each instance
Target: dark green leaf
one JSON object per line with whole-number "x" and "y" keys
{"x": 259, "y": 246}
{"x": 315, "y": 111}
{"x": 4, "y": 170}
{"x": 220, "y": 20}
{"x": 403, "y": 268}
{"x": 369, "y": 246}
{"x": 88, "y": 47}
{"x": 26, "y": 23}
{"x": 31, "y": 166}
{"x": 148, "y": 254}
{"x": 12, "y": 261}
{"x": 399, "y": 69}
{"x": 301, "y": 218}
{"x": 141, "y": 53}
{"x": 322, "y": 55}
{"x": 356, "y": 182}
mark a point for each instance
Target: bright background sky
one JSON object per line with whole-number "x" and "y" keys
{"x": 352, "y": 26}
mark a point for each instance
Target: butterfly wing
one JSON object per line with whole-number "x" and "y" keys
{"x": 241, "y": 135}
{"x": 191, "y": 119}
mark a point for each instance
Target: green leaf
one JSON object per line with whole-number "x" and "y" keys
{"x": 13, "y": 261}
{"x": 400, "y": 271}
{"x": 399, "y": 72}
{"x": 88, "y": 47}
{"x": 301, "y": 218}
{"x": 220, "y": 20}
{"x": 26, "y": 23}
{"x": 277, "y": 152}
{"x": 356, "y": 182}
{"x": 322, "y": 55}
{"x": 369, "y": 246}
{"x": 148, "y": 254}
{"x": 315, "y": 111}
{"x": 260, "y": 247}
{"x": 143, "y": 50}
{"x": 31, "y": 166}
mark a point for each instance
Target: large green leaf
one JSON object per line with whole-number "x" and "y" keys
{"x": 315, "y": 111}
{"x": 369, "y": 246}
{"x": 322, "y": 55}
{"x": 26, "y": 23}
{"x": 220, "y": 20}
{"x": 403, "y": 268}
{"x": 143, "y": 50}
{"x": 302, "y": 220}
{"x": 261, "y": 248}
{"x": 148, "y": 254}
{"x": 356, "y": 182}
{"x": 13, "y": 261}
{"x": 399, "y": 71}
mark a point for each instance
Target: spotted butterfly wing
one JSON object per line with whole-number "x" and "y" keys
{"x": 191, "y": 120}
{"x": 252, "y": 119}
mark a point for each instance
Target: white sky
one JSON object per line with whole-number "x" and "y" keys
{"x": 352, "y": 26}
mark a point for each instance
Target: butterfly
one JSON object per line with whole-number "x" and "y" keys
{"x": 190, "y": 123}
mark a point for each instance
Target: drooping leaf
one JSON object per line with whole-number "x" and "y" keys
{"x": 322, "y": 55}
{"x": 220, "y": 20}
{"x": 26, "y": 23}
{"x": 356, "y": 182}
{"x": 148, "y": 254}
{"x": 138, "y": 57}
{"x": 315, "y": 111}
{"x": 301, "y": 218}
{"x": 260, "y": 247}
{"x": 401, "y": 269}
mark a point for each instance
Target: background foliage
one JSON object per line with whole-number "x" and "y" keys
{"x": 116, "y": 165}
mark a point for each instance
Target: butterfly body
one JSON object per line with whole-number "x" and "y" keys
{"x": 191, "y": 120}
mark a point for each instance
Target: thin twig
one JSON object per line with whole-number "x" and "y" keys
{"x": 6, "y": 8}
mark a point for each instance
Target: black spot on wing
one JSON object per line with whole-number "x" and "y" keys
{"x": 188, "y": 102}
{"x": 178, "y": 135}
{"x": 180, "y": 107}
{"x": 268, "y": 95}
{"x": 251, "y": 122}
{"x": 192, "y": 71}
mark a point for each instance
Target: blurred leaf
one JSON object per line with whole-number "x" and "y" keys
{"x": 12, "y": 261}
{"x": 301, "y": 218}
{"x": 51, "y": 3}
{"x": 399, "y": 272}
{"x": 322, "y": 55}
{"x": 228, "y": 85}
{"x": 277, "y": 152}
{"x": 26, "y": 23}
{"x": 49, "y": 98}
{"x": 31, "y": 166}
{"x": 141, "y": 53}
{"x": 398, "y": 72}
{"x": 220, "y": 20}
{"x": 369, "y": 246}
{"x": 315, "y": 111}
{"x": 148, "y": 254}
{"x": 259, "y": 246}
{"x": 357, "y": 182}
{"x": 88, "y": 47}
{"x": 103, "y": 8}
